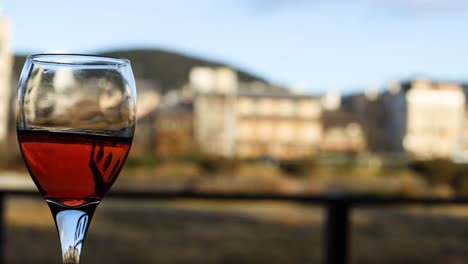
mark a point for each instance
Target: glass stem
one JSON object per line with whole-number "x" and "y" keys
{"x": 72, "y": 226}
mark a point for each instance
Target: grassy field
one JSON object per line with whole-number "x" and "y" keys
{"x": 237, "y": 232}
{"x": 260, "y": 177}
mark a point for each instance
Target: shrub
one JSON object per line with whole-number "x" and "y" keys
{"x": 301, "y": 167}
{"x": 437, "y": 171}
{"x": 146, "y": 160}
{"x": 216, "y": 164}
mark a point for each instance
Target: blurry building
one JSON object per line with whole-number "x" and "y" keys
{"x": 219, "y": 115}
{"x": 461, "y": 152}
{"x": 382, "y": 116}
{"x": 250, "y": 120}
{"x": 6, "y": 64}
{"x": 174, "y": 130}
{"x": 435, "y": 114}
{"x": 214, "y": 109}
{"x": 366, "y": 111}
{"x": 342, "y": 131}
{"x": 394, "y": 117}
{"x": 144, "y": 141}
{"x": 280, "y": 126}
{"x": 421, "y": 117}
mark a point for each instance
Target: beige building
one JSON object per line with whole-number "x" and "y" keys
{"x": 435, "y": 114}
{"x": 234, "y": 122}
{"x": 148, "y": 101}
{"x": 174, "y": 131}
{"x": 6, "y": 64}
{"x": 280, "y": 126}
{"x": 461, "y": 152}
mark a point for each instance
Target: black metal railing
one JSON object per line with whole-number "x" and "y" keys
{"x": 337, "y": 222}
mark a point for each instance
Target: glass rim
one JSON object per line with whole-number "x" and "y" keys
{"x": 76, "y": 59}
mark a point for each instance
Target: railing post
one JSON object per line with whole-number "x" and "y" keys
{"x": 337, "y": 230}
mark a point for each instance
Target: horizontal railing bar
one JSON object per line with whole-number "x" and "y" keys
{"x": 351, "y": 199}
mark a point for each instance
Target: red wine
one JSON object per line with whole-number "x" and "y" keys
{"x": 72, "y": 168}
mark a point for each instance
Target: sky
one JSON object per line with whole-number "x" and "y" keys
{"x": 310, "y": 45}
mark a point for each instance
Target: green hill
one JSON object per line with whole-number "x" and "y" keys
{"x": 166, "y": 69}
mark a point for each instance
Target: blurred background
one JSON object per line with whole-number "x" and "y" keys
{"x": 261, "y": 96}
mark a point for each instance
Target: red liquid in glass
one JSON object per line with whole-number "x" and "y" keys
{"x": 71, "y": 168}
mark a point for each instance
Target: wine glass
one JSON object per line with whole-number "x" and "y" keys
{"x": 75, "y": 118}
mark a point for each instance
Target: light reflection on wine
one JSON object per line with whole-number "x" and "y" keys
{"x": 99, "y": 168}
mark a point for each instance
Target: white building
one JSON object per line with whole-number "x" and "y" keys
{"x": 214, "y": 109}
{"x": 435, "y": 114}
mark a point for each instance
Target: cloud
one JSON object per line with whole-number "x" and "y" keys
{"x": 274, "y": 5}
{"x": 419, "y": 7}
{"x": 389, "y": 7}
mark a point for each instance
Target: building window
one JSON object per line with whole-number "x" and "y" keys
{"x": 252, "y": 106}
{"x": 247, "y": 106}
{"x": 293, "y": 108}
